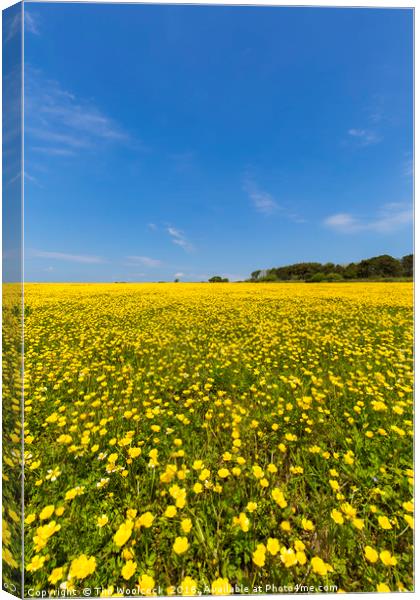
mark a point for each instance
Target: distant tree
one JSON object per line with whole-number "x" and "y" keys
{"x": 328, "y": 267}
{"x": 333, "y": 277}
{"x": 350, "y": 271}
{"x": 376, "y": 267}
{"x": 218, "y": 279}
{"x": 379, "y": 266}
{"x": 176, "y": 280}
{"x": 320, "y": 276}
{"x": 407, "y": 265}
{"x": 317, "y": 278}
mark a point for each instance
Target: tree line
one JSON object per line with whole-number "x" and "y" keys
{"x": 377, "y": 267}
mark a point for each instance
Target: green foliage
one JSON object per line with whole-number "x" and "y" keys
{"x": 378, "y": 267}
{"x": 218, "y": 279}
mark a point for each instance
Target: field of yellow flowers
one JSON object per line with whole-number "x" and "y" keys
{"x": 213, "y": 438}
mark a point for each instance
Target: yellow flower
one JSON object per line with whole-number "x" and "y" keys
{"x": 146, "y": 585}
{"x": 384, "y": 522}
{"x": 170, "y": 511}
{"x": 127, "y": 554}
{"x": 197, "y": 466}
{"x": 30, "y": 518}
{"x": 382, "y": 587}
{"x": 205, "y": 474}
{"x": 179, "y": 495}
{"x": 43, "y": 534}
{"x": 320, "y": 567}
{"x": 409, "y": 519}
{"x": 223, "y": 473}
{"x": 128, "y": 569}
{"x": 134, "y": 452}
{"x": 258, "y": 556}
{"x": 197, "y": 488}
{"x": 371, "y": 554}
{"x": 36, "y": 563}
{"x": 221, "y": 587}
{"x": 102, "y": 521}
{"x": 257, "y": 471}
{"x": 408, "y": 506}
{"x": 348, "y": 510}
{"x": 285, "y": 526}
{"x": 387, "y": 558}
{"x": 251, "y": 507}
{"x": 307, "y": 525}
{"x": 145, "y": 520}
{"x": 273, "y": 546}
{"x": 242, "y": 521}
{"x": 124, "y": 533}
{"x": 46, "y": 512}
{"x": 358, "y": 523}
{"x": 186, "y": 525}
{"x": 337, "y": 516}
{"x": 82, "y": 566}
{"x": 279, "y": 498}
{"x": 188, "y": 586}
{"x": 288, "y": 557}
{"x": 181, "y": 545}
{"x": 335, "y": 485}
{"x": 56, "y": 575}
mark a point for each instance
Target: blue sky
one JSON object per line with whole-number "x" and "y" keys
{"x": 188, "y": 141}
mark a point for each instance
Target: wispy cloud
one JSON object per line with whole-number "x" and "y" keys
{"x": 179, "y": 239}
{"x": 14, "y": 25}
{"x": 388, "y": 219}
{"x": 31, "y": 22}
{"x": 60, "y": 124}
{"x": 77, "y": 258}
{"x": 364, "y": 137}
{"x": 52, "y": 151}
{"x": 145, "y": 261}
{"x": 376, "y": 112}
{"x": 263, "y": 201}
{"x": 408, "y": 168}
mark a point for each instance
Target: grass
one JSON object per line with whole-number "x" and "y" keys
{"x": 276, "y": 418}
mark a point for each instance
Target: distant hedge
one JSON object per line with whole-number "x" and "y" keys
{"x": 377, "y": 267}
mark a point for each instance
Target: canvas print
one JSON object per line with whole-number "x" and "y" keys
{"x": 207, "y": 300}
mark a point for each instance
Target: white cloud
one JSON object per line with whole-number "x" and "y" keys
{"x": 31, "y": 22}
{"x": 78, "y": 258}
{"x": 52, "y": 151}
{"x": 59, "y": 123}
{"x": 340, "y": 221}
{"x": 14, "y": 25}
{"x": 145, "y": 260}
{"x": 179, "y": 274}
{"x": 389, "y": 218}
{"x": 263, "y": 201}
{"x": 365, "y": 137}
{"x": 179, "y": 239}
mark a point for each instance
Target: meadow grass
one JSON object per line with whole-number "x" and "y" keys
{"x": 206, "y": 435}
